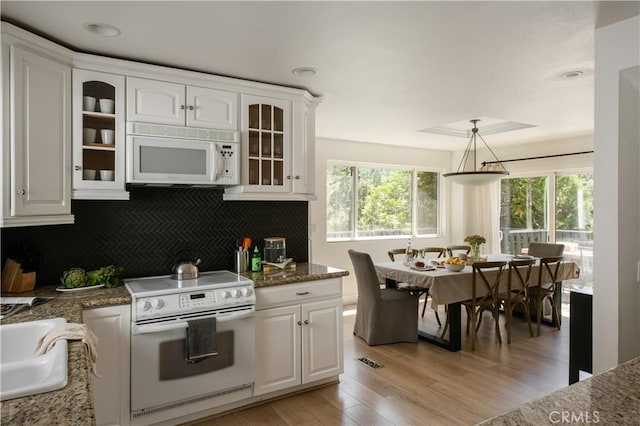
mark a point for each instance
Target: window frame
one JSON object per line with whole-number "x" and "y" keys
{"x": 414, "y": 201}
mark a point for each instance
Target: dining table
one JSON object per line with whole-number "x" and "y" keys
{"x": 450, "y": 288}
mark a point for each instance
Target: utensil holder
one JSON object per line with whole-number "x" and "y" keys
{"x": 242, "y": 261}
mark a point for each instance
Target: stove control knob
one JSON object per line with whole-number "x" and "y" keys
{"x": 144, "y": 305}
{"x": 225, "y": 294}
{"x": 246, "y": 292}
{"x": 235, "y": 293}
{"x": 157, "y": 303}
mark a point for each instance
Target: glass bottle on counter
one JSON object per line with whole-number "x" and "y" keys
{"x": 256, "y": 261}
{"x": 408, "y": 254}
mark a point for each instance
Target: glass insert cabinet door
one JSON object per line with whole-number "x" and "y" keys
{"x": 267, "y": 138}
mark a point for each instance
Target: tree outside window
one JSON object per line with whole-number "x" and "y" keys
{"x": 370, "y": 202}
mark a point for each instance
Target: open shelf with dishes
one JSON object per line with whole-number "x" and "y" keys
{"x": 99, "y": 136}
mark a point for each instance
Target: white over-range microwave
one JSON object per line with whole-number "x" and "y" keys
{"x": 172, "y": 155}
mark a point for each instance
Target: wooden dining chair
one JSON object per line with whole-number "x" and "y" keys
{"x": 545, "y": 288}
{"x": 392, "y": 253}
{"x": 416, "y": 291}
{"x": 517, "y": 292}
{"x": 382, "y": 315}
{"x": 481, "y": 283}
{"x": 439, "y": 251}
{"x": 458, "y": 248}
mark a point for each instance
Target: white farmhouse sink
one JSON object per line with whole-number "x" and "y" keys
{"x": 22, "y": 373}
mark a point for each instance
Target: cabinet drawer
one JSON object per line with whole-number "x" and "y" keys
{"x": 298, "y": 292}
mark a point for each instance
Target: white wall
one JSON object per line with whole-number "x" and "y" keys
{"x": 335, "y": 253}
{"x": 616, "y": 301}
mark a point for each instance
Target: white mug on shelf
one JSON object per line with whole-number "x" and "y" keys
{"x": 88, "y": 174}
{"x": 88, "y": 103}
{"x": 106, "y": 174}
{"x": 107, "y": 106}
{"x": 88, "y": 135}
{"x": 107, "y": 136}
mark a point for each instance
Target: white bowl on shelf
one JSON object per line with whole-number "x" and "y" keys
{"x": 107, "y": 106}
{"x": 88, "y": 174}
{"x": 107, "y": 136}
{"x": 88, "y": 103}
{"x": 89, "y": 135}
{"x": 106, "y": 174}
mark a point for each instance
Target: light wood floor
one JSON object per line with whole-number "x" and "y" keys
{"x": 421, "y": 384}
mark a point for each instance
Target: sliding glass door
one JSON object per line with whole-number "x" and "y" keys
{"x": 555, "y": 208}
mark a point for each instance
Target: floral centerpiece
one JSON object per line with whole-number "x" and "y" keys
{"x": 474, "y": 241}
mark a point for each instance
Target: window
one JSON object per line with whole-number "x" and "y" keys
{"x": 377, "y": 202}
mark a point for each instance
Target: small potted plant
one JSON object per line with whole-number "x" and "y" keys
{"x": 474, "y": 241}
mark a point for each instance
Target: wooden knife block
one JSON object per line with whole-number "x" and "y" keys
{"x": 16, "y": 281}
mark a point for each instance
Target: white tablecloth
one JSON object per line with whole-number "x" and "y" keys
{"x": 451, "y": 287}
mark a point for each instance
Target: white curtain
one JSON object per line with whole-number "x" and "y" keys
{"x": 482, "y": 215}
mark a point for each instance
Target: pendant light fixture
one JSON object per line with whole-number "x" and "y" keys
{"x": 465, "y": 175}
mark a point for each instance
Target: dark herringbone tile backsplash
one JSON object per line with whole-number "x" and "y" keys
{"x": 147, "y": 233}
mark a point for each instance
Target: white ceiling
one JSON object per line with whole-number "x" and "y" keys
{"x": 385, "y": 69}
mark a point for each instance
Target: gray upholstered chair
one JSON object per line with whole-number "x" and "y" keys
{"x": 545, "y": 249}
{"x": 382, "y": 315}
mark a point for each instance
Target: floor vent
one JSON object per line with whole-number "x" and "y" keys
{"x": 369, "y": 362}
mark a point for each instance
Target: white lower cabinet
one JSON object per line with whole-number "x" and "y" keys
{"x": 110, "y": 392}
{"x": 298, "y": 334}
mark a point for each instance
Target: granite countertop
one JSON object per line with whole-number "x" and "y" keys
{"x": 610, "y": 398}
{"x": 71, "y": 405}
{"x": 303, "y": 272}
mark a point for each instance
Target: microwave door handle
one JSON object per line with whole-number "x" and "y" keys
{"x": 217, "y": 162}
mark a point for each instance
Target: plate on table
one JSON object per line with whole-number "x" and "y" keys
{"x": 91, "y": 287}
{"x": 422, "y": 268}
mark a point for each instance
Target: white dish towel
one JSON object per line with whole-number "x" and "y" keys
{"x": 71, "y": 331}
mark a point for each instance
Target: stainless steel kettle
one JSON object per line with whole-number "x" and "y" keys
{"x": 185, "y": 270}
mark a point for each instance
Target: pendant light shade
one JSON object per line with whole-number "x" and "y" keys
{"x": 470, "y": 174}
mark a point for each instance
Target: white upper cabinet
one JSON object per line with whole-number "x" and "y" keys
{"x": 98, "y": 136}
{"x": 278, "y": 150}
{"x": 212, "y": 109}
{"x": 36, "y": 138}
{"x": 161, "y": 102}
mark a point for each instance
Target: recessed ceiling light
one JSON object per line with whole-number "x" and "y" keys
{"x": 572, "y": 74}
{"x": 304, "y": 71}
{"x": 104, "y": 30}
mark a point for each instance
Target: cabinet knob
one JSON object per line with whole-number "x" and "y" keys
{"x": 306, "y": 322}
{"x": 21, "y": 192}
{"x": 288, "y": 177}
{"x": 182, "y": 107}
{"x": 297, "y": 177}
{"x": 77, "y": 168}
{"x": 299, "y": 322}
{"x": 191, "y": 108}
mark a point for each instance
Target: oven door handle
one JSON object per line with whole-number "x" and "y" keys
{"x": 159, "y": 328}
{"x": 231, "y": 316}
